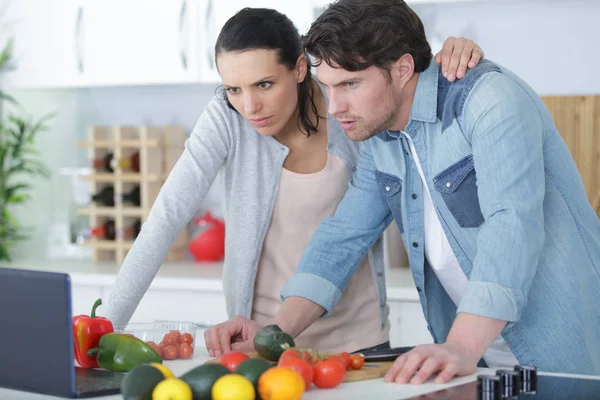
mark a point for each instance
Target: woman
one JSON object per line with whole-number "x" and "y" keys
{"x": 285, "y": 166}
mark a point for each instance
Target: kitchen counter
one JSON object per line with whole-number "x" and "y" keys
{"x": 374, "y": 388}
{"x": 189, "y": 275}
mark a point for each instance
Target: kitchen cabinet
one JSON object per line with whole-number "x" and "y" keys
{"x": 407, "y": 323}
{"x": 49, "y": 43}
{"x": 218, "y": 12}
{"x": 84, "y": 43}
{"x": 135, "y": 43}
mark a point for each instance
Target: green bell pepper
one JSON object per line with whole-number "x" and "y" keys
{"x": 122, "y": 352}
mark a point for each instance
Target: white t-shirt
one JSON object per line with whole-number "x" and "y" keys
{"x": 447, "y": 269}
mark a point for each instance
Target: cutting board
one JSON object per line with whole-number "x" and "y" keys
{"x": 371, "y": 370}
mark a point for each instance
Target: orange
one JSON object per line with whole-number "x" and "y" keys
{"x": 280, "y": 383}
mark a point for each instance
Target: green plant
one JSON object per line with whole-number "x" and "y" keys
{"x": 19, "y": 159}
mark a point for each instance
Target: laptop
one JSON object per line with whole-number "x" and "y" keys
{"x": 36, "y": 338}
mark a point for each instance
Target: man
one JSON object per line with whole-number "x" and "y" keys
{"x": 503, "y": 244}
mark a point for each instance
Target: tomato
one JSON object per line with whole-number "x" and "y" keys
{"x": 329, "y": 373}
{"x": 345, "y": 357}
{"x": 186, "y": 338}
{"x": 232, "y": 359}
{"x": 170, "y": 352}
{"x": 357, "y": 361}
{"x": 185, "y": 351}
{"x": 169, "y": 338}
{"x": 289, "y": 353}
{"x": 176, "y": 335}
{"x": 156, "y": 348}
{"x": 299, "y": 365}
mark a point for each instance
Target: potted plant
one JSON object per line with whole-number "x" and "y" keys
{"x": 19, "y": 163}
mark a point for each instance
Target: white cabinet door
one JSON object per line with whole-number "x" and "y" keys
{"x": 407, "y": 324}
{"x": 137, "y": 42}
{"x": 216, "y": 13}
{"x": 50, "y": 43}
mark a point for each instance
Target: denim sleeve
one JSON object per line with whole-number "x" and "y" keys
{"x": 505, "y": 129}
{"x": 343, "y": 240}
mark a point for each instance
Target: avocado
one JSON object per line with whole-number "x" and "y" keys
{"x": 202, "y": 378}
{"x": 253, "y": 369}
{"x": 139, "y": 382}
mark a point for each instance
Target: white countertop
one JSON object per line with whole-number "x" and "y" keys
{"x": 189, "y": 275}
{"x": 374, "y": 388}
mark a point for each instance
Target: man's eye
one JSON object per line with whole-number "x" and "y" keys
{"x": 351, "y": 83}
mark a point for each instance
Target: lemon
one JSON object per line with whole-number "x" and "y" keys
{"x": 165, "y": 371}
{"x": 233, "y": 387}
{"x": 172, "y": 389}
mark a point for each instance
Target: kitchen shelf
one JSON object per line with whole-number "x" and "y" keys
{"x": 157, "y": 148}
{"x": 125, "y": 144}
{"x": 111, "y": 211}
{"x": 126, "y": 177}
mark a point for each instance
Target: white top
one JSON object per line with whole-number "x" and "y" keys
{"x": 303, "y": 201}
{"x": 446, "y": 267}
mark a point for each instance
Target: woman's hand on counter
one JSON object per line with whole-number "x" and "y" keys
{"x": 235, "y": 334}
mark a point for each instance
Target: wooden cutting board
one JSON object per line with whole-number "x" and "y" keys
{"x": 371, "y": 370}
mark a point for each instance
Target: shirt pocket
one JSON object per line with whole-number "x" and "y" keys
{"x": 458, "y": 186}
{"x": 391, "y": 187}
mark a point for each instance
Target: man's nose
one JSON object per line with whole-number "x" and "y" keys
{"x": 336, "y": 104}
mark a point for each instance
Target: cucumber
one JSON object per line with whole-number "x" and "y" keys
{"x": 202, "y": 378}
{"x": 253, "y": 369}
{"x": 271, "y": 341}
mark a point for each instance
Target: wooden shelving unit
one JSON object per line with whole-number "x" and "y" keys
{"x": 158, "y": 148}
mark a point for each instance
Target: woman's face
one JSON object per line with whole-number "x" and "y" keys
{"x": 260, "y": 88}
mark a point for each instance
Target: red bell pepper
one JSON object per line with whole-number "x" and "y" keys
{"x": 87, "y": 331}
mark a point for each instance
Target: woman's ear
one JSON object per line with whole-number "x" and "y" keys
{"x": 301, "y": 68}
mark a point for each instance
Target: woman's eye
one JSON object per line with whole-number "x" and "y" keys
{"x": 232, "y": 90}
{"x": 264, "y": 85}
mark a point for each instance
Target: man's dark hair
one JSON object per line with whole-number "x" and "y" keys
{"x": 356, "y": 34}
{"x": 264, "y": 28}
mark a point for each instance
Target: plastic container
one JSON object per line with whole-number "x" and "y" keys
{"x": 172, "y": 340}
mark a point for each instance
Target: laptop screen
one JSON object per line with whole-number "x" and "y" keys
{"x": 36, "y": 339}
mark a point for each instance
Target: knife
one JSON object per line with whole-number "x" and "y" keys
{"x": 383, "y": 354}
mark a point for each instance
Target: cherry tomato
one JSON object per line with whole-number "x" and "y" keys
{"x": 169, "y": 338}
{"x": 357, "y": 361}
{"x": 186, "y": 338}
{"x": 232, "y": 359}
{"x": 176, "y": 335}
{"x": 345, "y": 357}
{"x": 185, "y": 351}
{"x": 299, "y": 365}
{"x": 156, "y": 348}
{"x": 328, "y": 373}
{"x": 170, "y": 352}
{"x": 289, "y": 353}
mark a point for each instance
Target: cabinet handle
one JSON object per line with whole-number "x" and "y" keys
{"x": 79, "y": 59}
{"x": 182, "y": 14}
{"x": 209, "y": 50}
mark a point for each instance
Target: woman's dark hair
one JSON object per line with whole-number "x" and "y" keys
{"x": 263, "y": 28}
{"x": 356, "y": 34}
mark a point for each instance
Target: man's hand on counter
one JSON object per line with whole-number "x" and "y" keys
{"x": 235, "y": 334}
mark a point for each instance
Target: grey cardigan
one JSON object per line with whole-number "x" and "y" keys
{"x": 250, "y": 166}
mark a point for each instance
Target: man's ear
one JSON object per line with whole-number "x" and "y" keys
{"x": 301, "y": 68}
{"x": 402, "y": 70}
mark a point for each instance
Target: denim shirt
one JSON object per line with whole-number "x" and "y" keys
{"x": 511, "y": 202}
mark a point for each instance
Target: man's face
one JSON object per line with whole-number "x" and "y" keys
{"x": 364, "y": 102}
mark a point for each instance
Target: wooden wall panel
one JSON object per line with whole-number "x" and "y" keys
{"x": 578, "y": 121}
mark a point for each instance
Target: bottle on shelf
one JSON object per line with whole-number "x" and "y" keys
{"x": 108, "y": 231}
{"x": 109, "y": 163}
{"x": 108, "y": 198}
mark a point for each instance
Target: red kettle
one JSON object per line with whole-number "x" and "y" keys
{"x": 209, "y": 245}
